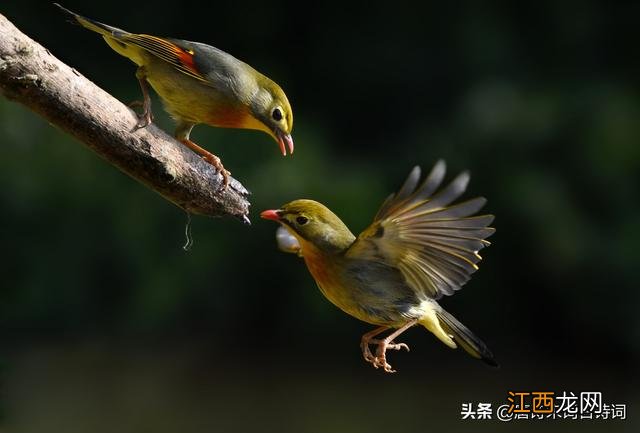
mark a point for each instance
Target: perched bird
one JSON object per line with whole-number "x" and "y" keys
{"x": 199, "y": 83}
{"x": 419, "y": 247}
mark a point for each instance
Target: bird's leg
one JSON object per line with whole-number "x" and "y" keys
{"x": 182, "y": 135}
{"x": 146, "y": 117}
{"x": 368, "y": 339}
{"x": 387, "y": 343}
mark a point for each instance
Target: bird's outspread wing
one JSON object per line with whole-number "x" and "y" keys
{"x": 433, "y": 243}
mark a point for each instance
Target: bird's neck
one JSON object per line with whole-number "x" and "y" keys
{"x": 232, "y": 116}
{"x": 321, "y": 263}
{"x": 325, "y": 246}
{"x": 334, "y": 243}
{"x": 322, "y": 255}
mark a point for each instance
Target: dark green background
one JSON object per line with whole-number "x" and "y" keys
{"x": 108, "y": 325}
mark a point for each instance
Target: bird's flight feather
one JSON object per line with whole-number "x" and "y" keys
{"x": 435, "y": 245}
{"x": 180, "y": 57}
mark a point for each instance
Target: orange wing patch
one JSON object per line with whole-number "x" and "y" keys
{"x": 180, "y": 58}
{"x": 186, "y": 58}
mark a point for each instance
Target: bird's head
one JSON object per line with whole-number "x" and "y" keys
{"x": 271, "y": 108}
{"x": 312, "y": 222}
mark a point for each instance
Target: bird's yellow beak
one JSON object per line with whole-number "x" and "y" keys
{"x": 273, "y": 215}
{"x": 282, "y": 139}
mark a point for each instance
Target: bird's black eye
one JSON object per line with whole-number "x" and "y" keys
{"x": 277, "y": 114}
{"x": 302, "y": 220}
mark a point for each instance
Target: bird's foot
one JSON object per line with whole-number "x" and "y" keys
{"x": 146, "y": 117}
{"x": 217, "y": 163}
{"x": 382, "y": 362}
{"x": 366, "y": 353}
{"x": 380, "y": 359}
{"x": 211, "y": 159}
{"x": 366, "y": 340}
{"x": 391, "y": 345}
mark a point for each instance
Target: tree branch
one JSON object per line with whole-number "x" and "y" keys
{"x": 31, "y": 75}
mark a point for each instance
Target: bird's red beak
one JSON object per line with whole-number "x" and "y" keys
{"x": 270, "y": 215}
{"x": 285, "y": 139}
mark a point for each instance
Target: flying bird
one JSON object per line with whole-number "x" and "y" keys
{"x": 420, "y": 247}
{"x": 198, "y": 83}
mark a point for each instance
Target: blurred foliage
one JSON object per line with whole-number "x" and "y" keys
{"x": 540, "y": 100}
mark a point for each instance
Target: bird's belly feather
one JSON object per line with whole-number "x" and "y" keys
{"x": 186, "y": 98}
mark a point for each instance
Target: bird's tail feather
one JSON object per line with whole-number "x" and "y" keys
{"x": 465, "y": 338}
{"x": 92, "y": 25}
